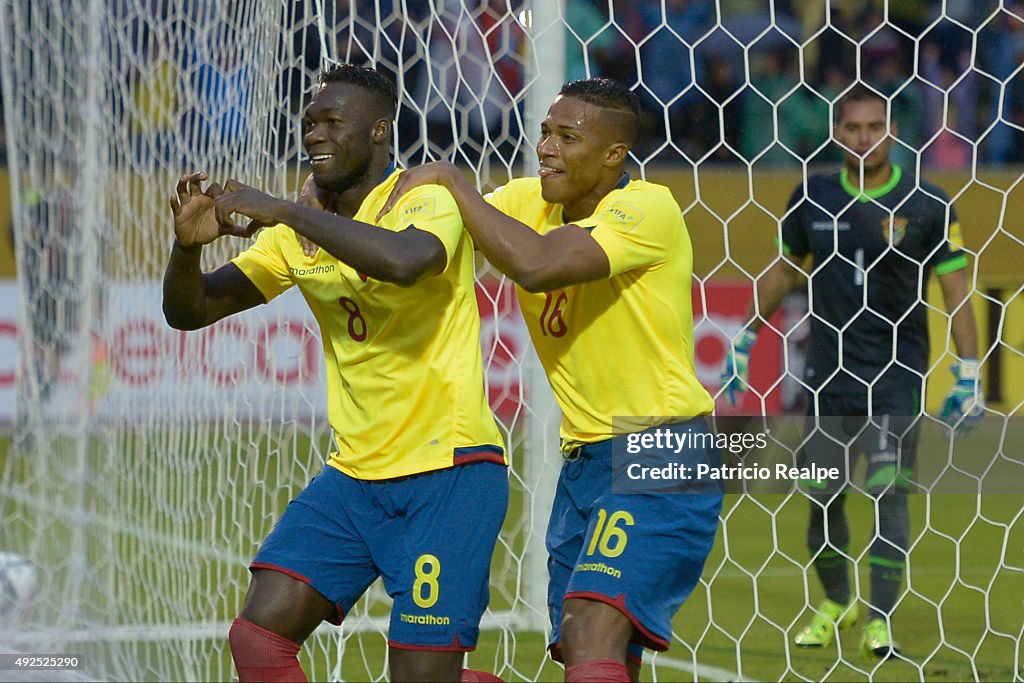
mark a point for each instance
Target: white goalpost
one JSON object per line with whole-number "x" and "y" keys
{"x": 143, "y": 466}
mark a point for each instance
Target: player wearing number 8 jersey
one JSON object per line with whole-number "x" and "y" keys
{"x": 603, "y": 266}
{"x": 416, "y": 490}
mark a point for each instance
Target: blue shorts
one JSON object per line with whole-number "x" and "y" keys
{"x": 429, "y": 536}
{"x": 639, "y": 552}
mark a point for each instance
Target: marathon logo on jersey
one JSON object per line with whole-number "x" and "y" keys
{"x": 627, "y": 216}
{"x": 323, "y": 269}
{"x": 421, "y": 210}
{"x": 894, "y": 229}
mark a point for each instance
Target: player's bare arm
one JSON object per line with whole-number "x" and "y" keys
{"x": 403, "y": 258}
{"x": 538, "y": 263}
{"x": 193, "y": 299}
{"x": 963, "y": 328}
{"x": 771, "y": 288}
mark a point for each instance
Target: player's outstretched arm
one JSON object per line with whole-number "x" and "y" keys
{"x": 964, "y": 406}
{"x": 537, "y": 263}
{"x": 193, "y": 299}
{"x": 402, "y": 258}
{"x": 769, "y": 291}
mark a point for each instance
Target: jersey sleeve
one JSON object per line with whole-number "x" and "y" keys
{"x": 794, "y": 227}
{"x": 636, "y": 229}
{"x": 949, "y": 254}
{"x": 264, "y": 263}
{"x": 431, "y": 208}
{"x": 515, "y": 198}
{"x": 498, "y": 198}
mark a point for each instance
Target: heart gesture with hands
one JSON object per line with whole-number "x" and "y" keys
{"x": 196, "y": 218}
{"x": 260, "y": 208}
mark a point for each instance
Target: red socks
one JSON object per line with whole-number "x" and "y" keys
{"x": 473, "y": 676}
{"x": 597, "y": 671}
{"x": 263, "y": 656}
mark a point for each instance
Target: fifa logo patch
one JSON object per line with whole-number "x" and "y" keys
{"x": 625, "y": 214}
{"x": 894, "y": 229}
{"x": 421, "y": 211}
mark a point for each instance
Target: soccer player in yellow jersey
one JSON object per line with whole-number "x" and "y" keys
{"x": 603, "y": 266}
{"x": 416, "y": 490}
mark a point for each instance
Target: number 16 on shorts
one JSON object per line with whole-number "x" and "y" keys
{"x": 609, "y": 537}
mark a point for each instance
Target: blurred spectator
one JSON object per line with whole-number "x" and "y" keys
{"x": 475, "y": 78}
{"x": 3, "y": 135}
{"x": 801, "y": 124}
{"x": 221, "y": 84}
{"x": 945, "y": 114}
{"x": 1001, "y": 48}
{"x": 720, "y": 81}
{"x": 155, "y": 89}
{"x": 906, "y": 108}
{"x": 667, "y": 54}
{"x": 589, "y": 40}
{"x": 51, "y": 266}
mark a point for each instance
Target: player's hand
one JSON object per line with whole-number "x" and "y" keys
{"x": 260, "y": 208}
{"x": 313, "y": 196}
{"x": 964, "y": 406}
{"x": 735, "y": 370}
{"x": 434, "y": 173}
{"x": 195, "y": 221}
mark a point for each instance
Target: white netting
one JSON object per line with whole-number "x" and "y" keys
{"x": 146, "y": 465}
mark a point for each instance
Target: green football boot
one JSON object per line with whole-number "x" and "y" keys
{"x": 822, "y": 629}
{"x": 877, "y": 642}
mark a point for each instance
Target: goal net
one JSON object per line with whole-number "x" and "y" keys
{"x": 143, "y": 466}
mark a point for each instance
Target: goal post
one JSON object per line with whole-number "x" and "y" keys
{"x": 143, "y": 466}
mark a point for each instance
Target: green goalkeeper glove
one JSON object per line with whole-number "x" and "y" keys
{"x": 735, "y": 372}
{"x": 965, "y": 404}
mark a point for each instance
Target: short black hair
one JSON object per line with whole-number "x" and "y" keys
{"x": 858, "y": 93}
{"x": 377, "y": 83}
{"x": 604, "y": 92}
{"x": 608, "y": 94}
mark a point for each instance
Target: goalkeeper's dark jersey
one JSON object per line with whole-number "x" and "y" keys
{"x": 873, "y": 253}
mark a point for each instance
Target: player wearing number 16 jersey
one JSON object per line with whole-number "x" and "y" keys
{"x": 416, "y": 490}
{"x": 603, "y": 264}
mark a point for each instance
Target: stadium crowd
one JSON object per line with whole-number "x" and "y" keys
{"x": 687, "y": 62}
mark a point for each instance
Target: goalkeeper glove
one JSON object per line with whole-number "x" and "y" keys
{"x": 736, "y": 368}
{"x": 965, "y": 405}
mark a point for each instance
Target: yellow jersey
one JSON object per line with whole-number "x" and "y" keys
{"x": 620, "y": 347}
{"x": 405, "y": 382}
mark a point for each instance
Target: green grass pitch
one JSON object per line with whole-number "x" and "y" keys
{"x": 959, "y": 619}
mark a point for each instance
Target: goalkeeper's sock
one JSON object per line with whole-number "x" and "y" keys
{"x": 597, "y": 671}
{"x": 262, "y": 655}
{"x": 833, "y": 573}
{"x": 888, "y": 553}
{"x": 474, "y": 676}
{"x": 828, "y": 549}
{"x": 886, "y": 582}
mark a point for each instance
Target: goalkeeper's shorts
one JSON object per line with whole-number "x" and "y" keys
{"x": 642, "y": 553}
{"x": 429, "y": 536}
{"x": 841, "y": 432}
